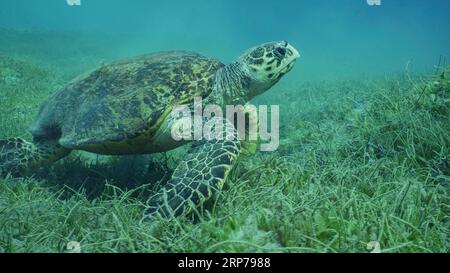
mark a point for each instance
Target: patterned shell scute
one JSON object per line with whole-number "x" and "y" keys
{"x": 121, "y": 101}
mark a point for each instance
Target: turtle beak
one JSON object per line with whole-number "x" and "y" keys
{"x": 292, "y": 52}
{"x": 292, "y": 55}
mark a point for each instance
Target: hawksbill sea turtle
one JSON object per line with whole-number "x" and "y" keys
{"x": 124, "y": 108}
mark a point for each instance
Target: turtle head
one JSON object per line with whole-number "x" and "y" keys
{"x": 256, "y": 71}
{"x": 267, "y": 64}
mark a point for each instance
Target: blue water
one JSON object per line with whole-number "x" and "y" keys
{"x": 357, "y": 162}
{"x": 337, "y": 38}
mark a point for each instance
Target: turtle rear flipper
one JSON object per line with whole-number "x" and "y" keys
{"x": 20, "y": 158}
{"x": 199, "y": 177}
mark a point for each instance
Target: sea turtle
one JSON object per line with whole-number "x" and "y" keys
{"x": 125, "y": 108}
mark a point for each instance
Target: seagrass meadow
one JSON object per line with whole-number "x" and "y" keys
{"x": 364, "y": 152}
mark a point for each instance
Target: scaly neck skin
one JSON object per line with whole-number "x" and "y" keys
{"x": 232, "y": 86}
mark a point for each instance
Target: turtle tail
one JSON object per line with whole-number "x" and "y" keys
{"x": 20, "y": 158}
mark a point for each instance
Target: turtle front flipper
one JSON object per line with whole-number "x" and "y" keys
{"x": 20, "y": 158}
{"x": 199, "y": 177}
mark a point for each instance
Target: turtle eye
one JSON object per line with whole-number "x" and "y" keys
{"x": 280, "y": 52}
